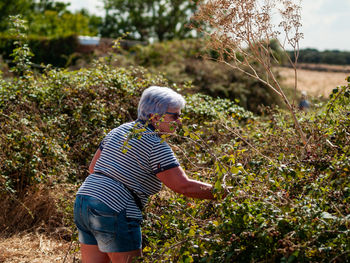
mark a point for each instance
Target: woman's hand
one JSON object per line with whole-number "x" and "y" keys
{"x": 177, "y": 180}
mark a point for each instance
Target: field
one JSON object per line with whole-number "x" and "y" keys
{"x": 315, "y": 82}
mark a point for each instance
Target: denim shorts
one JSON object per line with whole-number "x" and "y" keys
{"x": 100, "y": 225}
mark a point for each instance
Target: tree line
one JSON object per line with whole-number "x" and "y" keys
{"x": 311, "y": 55}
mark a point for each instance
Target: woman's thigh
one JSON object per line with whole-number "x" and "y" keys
{"x": 92, "y": 254}
{"x": 125, "y": 257}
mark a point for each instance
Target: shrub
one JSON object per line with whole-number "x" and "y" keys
{"x": 287, "y": 205}
{"x": 182, "y": 62}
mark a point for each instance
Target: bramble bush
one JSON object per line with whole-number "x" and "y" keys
{"x": 289, "y": 203}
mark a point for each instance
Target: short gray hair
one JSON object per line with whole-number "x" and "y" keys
{"x": 157, "y": 100}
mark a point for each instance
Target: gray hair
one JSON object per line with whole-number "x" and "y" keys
{"x": 157, "y": 100}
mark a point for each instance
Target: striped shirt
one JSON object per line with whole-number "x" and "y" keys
{"x": 132, "y": 154}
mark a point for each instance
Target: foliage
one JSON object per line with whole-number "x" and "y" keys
{"x": 38, "y": 119}
{"x": 55, "y": 51}
{"x": 9, "y": 7}
{"x": 49, "y": 18}
{"x": 182, "y": 61}
{"x": 53, "y": 24}
{"x": 22, "y": 53}
{"x": 147, "y": 20}
{"x": 286, "y": 205}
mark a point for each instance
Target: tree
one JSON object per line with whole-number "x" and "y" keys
{"x": 241, "y": 32}
{"x": 95, "y": 22}
{"x": 148, "y": 19}
{"x": 50, "y": 5}
{"x": 52, "y": 24}
{"x": 53, "y": 19}
{"x": 49, "y": 18}
{"x": 10, "y": 7}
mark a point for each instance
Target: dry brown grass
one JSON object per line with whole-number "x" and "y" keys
{"x": 315, "y": 83}
{"x": 36, "y": 247}
{"x": 38, "y": 227}
{"x": 46, "y": 208}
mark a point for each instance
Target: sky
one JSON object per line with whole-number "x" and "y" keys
{"x": 326, "y": 23}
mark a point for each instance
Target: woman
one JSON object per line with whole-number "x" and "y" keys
{"x": 131, "y": 164}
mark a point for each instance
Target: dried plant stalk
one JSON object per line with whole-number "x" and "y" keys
{"x": 241, "y": 32}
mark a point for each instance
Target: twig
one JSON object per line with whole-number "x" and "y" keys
{"x": 330, "y": 105}
{"x": 69, "y": 248}
{"x": 250, "y": 145}
{"x": 337, "y": 257}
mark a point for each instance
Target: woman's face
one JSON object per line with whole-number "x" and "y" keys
{"x": 168, "y": 122}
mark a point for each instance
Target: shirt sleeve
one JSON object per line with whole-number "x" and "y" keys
{"x": 162, "y": 158}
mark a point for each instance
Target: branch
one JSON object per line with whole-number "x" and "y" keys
{"x": 335, "y": 259}
{"x": 250, "y": 145}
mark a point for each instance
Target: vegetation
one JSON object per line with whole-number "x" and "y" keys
{"x": 54, "y": 51}
{"x": 241, "y": 33}
{"x": 142, "y": 20}
{"x": 51, "y": 30}
{"x": 311, "y": 55}
{"x": 287, "y": 204}
{"x": 148, "y": 20}
{"x": 48, "y": 18}
{"x": 184, "y": 61}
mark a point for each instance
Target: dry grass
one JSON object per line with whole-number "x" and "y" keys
{"x": 36, "y": 247}
{"x": 37, "y": 228}
{"x": 315, "y": 83}
{"x": 325, "y": 67}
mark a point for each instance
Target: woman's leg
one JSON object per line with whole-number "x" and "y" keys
{"x": 124, "y": 257}
{"x": 91, "y": 254}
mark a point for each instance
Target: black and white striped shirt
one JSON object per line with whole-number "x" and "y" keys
{"x": 132, "y": 154}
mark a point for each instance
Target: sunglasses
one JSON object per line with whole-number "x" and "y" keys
{"x": 175, "y": 114}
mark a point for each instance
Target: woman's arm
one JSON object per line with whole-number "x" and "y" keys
{"x": 94, "y": 160}
{"x": 176, "y": 179}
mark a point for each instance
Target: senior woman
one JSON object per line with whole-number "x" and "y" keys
{"x": 124, "y": 172}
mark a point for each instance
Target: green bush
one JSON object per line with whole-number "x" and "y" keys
{"x": 288, "y": 204}
{"x": 54, "y": 51}
{"x": 60, "y": 115}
